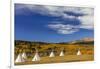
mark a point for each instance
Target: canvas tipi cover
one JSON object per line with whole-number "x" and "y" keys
{"x": 19, "y": 58}
{"x": 36, "y": 57}
{"x": 24, "y": 56}
{"x": 52, "y": 54}
{"x": 62, "y": 53}
{"x": 79, "y": 52}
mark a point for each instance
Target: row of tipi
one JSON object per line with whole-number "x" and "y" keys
{"x": 22, "y": 57}
{"x": 53, "y": 55}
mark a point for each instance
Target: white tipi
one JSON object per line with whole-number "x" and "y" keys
{"x": 24, "y": 56}
{"x": 52, "y": 54}
{"x": 79, "y": 52}
{"x": 19, "y": 58}
{"x": 62, "y": 53}
{"x": 36, "y": 57}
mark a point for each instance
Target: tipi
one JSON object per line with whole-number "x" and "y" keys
{"x": 62, "y": 53}
{"x": 36, "y": 57}
{"x": 52, "y": 54}
{"x": 19, "y": 58}
{"x": 24, "y": 56}
{"x": 79, "y": 52}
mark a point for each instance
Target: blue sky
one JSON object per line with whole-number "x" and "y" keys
{"x": 53, "y": 23}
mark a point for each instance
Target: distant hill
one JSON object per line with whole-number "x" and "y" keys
{"x": 87, "y": 39}
{"x": 83, "y": 41}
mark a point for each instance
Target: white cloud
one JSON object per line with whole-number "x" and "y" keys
{"x": 63, "y": 29}
{"x": 86, "y": 21}
{"x": 67, "y": 28}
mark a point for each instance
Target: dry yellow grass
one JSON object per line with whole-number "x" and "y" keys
{"x": 59, "y": 59}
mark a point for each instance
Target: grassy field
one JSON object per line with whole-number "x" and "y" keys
{"x": 44, "y": 50}
{"x": 59, "y": 59}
